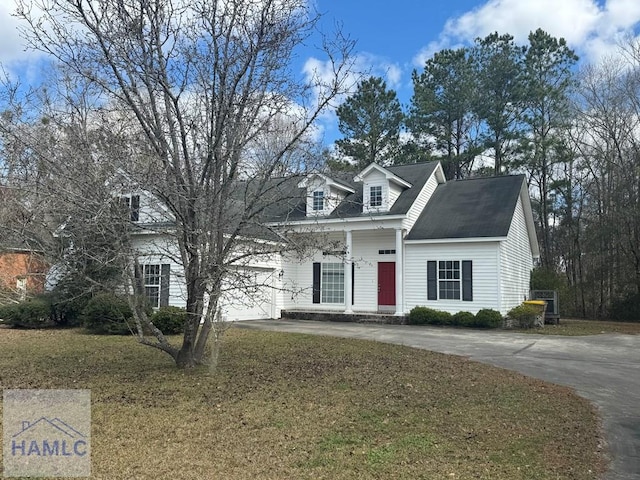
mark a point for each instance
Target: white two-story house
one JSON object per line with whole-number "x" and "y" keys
{"x": 405, "y": 237}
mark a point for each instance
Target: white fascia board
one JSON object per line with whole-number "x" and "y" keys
{"x": 528, "y": 217}
{"x": 327, "y": 180}
{"x": 388, "y": 175}
{"x": 456, "y": 240}
{"x": 357, "y": 223}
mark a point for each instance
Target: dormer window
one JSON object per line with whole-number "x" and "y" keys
{"x": 375, "y": 196}
{"x": 132, "y": 204}
{"x": 318, "y": 201}
{"x": 381, "y": 188}
{"x": 323, "y": 194}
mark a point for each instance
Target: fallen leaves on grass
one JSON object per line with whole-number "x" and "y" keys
{"x": 306, "y": 407}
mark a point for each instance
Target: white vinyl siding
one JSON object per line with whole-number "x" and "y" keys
{"x": 366, "y": 245}
{"x": 375, "y": 179}
{"x": 485, "y": 274}
{"x": 421, "y": 201}
{"x": 394, "y": 192}
{"x": 516, "y": 262}
{"x": 260, "y": 301}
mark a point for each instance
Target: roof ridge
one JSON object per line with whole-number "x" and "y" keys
{"x": 492, "y": 177}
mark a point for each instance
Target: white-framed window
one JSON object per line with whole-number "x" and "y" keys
{"x": 21, "y": 287}
{"x": 132, "y": 204}
{"x": 449, "y": 279}
{"x": 332, "y": 283}
{"x": 375, "y": 196}
{"x": 318, "y": 200}
{"x": 152, "y": 276}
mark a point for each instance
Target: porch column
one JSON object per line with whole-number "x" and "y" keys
{"x": 348, "y": 280}
{"x": 399, "y": 273}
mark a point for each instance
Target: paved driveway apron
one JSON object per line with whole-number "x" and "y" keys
{"x": 603, "y": 368}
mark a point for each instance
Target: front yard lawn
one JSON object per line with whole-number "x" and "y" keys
{"x": 574, "y": 327}
{"x": 284, "y": 406}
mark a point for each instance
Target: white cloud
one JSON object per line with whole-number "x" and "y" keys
{"x": 363, "y": 66}
{"x": 592, "y": 28}
{"x": 12, "y": 46}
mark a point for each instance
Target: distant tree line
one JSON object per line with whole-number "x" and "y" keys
{"x": 499, "y": 108}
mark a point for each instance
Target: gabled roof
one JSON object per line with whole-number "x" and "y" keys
{"x": 295, "y": 207}
{"x": 389, "y": 175}
{"x": 340, "y": 185}
{"x": 477, "y": 207}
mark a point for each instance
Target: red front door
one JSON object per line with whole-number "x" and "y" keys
{"x": 386, "y": 283}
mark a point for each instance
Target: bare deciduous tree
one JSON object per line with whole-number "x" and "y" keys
{"x": 201, "y": 82}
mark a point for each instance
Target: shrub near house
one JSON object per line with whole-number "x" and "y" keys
{"x": 485, "y": 318}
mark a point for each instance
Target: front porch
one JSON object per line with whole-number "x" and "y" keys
{"x": 334, "y": 316}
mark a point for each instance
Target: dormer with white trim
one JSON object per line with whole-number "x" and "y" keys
{"x": 381, "y": 188}
{"x": 324, "y": 194}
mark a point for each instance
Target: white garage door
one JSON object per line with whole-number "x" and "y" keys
{"x": 254, "y": 300}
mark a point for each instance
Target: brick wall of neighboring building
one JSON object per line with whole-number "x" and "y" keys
{"x": 21, "y": 268}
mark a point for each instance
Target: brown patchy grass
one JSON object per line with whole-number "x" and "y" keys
{"x": 284, "y": 406}
{"x": 577, "y": 327}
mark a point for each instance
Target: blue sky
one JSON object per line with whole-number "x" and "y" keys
{"x": 395, "y": 37}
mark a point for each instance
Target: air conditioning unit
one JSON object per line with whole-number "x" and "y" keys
{"x": 552, "y": 312}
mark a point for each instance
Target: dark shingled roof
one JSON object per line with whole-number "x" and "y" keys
{"x": 296, "y": 208}
{"x": 478, "y": 207}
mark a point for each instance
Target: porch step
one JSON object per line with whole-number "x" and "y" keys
{"x": 379, "y": 318}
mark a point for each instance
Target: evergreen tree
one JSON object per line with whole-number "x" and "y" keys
{"x": 548, "y": 79}
{"x": 441, "y": 110}
{"x": 498, "y": 102}
{"x": 370, "y": 120}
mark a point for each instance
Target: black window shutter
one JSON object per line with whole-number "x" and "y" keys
{"x": 467, "y": 281}
{"x": 135, "y": 208}
{"x": 316, "y": 283}
{"x": 137, "y": 273}
{"x": 164, "y": 285}
{"x": 353, "y": 283}
{"x": 432, "y": 280}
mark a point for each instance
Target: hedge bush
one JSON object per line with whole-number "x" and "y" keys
{"x": 524, "y": 315}
{"x": 463, "y": 319}
{"x": 67, "y": 312}
{"x": 108, "y": 314}
{"x": 32, "y": 313}
{"x": 485, "y": 318}
{"x": 488, "y": 318}
{"x": 169, "y": 320}
{"x": 428, "y": 316}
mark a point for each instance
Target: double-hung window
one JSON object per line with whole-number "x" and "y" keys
{"x": 132, "y": 205}
{"x": 318, "y": 201}
{"x": 154, "y": 280}
{"x": 332, "y": 283}
{"x": 328, "y": 282}
{"x": 152, "y": 277}
{"x": 450, "y": 280}
{"x": 375, "y": 196}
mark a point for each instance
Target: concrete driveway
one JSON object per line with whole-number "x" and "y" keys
{"x": 602, "y": 368}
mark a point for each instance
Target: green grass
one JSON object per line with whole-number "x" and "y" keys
{"x": 284, "y": 406}
{"x": 575, "y": 327}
